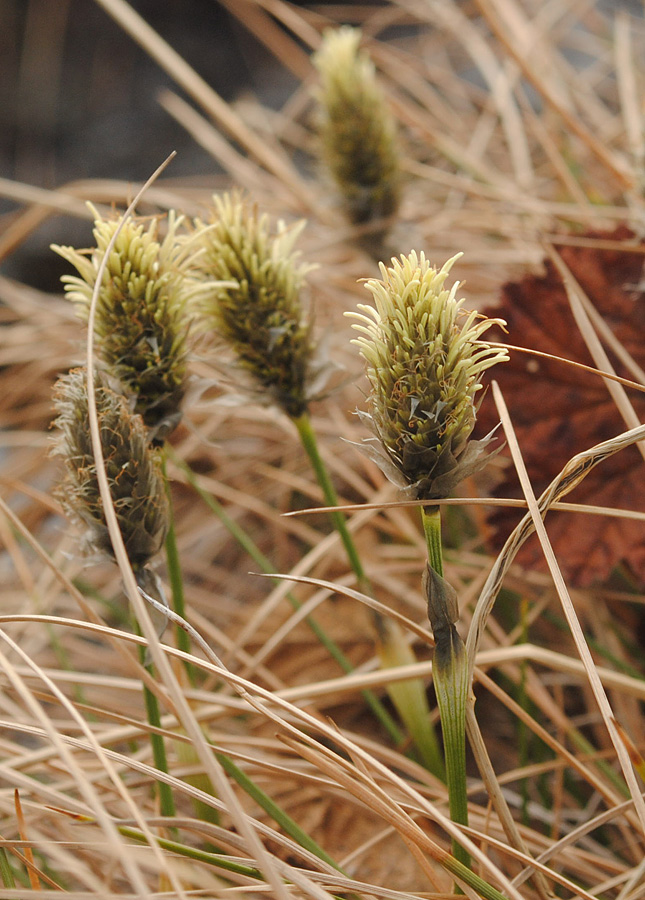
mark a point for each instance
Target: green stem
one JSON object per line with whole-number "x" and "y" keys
{"x": 450, "y": 674}
{"x": 431, "y": 517}
{"x": 175, "y": 576}
{"x": 166, "y": 800}
{"x": 6, "y": 872}
{"x": 483, "y": 888}
{"x": 263, "y": 800}
{"x": 408, "y": 697}
{"x": 205, "y": 856}
{"x": 452, "y": 865}
{"x": 308, "y": 439}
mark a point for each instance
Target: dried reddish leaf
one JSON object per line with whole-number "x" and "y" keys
{"x": 557, "y": 411}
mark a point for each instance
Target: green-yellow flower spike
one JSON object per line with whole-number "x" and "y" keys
{"x": 133, "y": 470}
{"x": 424, "y": 361}
{"x": 142, "y": 316}
{"x": 357, "y": 130}
{"x": 254, "y": 300}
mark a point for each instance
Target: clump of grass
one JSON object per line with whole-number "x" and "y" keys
{"x": 487, "y": 172}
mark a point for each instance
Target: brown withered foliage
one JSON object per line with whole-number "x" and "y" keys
{"x": 558, "y": 410}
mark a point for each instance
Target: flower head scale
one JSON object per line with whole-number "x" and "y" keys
{"x": 141, "y": 321}
{"x": 424, "y": 363}
{"x": 133, "y": 469}
{"x": 357, "y": 131}
{"x": 260, "y": 316}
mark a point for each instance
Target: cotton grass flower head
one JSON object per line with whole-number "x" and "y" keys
{"x": 424, "y": 361}
{"x": 142, "y": 313}
{"x": 255, "y": 304}
{"x": 357, "y": 130}
{"x": 133, "y": 469}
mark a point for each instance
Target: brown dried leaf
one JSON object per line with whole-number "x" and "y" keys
{"x": 558, "y": 411}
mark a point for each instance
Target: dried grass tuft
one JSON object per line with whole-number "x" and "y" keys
{"x": 521, "y": 125}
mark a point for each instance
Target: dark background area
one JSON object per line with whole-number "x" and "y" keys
{"x": 79, "y": 95}
{"x": 78, "y": 100}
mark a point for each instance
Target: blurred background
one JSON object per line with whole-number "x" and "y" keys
{"x": 78, "y": 99}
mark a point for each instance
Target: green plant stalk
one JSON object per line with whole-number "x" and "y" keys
{"x": 379, "y": 711}
{"x": 174, "y": 574}
{"x": 310, "y": 444}
{"x": 431, "y": 517}
{"x": 272, "y": 809}
{"x": 6, "y": 872}
{"x": 450, "y": 674}
{"x": 166, "y": 800}
{"x": 449, "y": 863}
{"x": 409, "y": 697}
{"x": 206, "y": 856}
{"x": 395, "y": 651}
{"x": 264, "y": 801}
{"x": 476, "y": 882}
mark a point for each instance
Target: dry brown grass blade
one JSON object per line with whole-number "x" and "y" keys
{"x": 499, "y": 22}
{"x": 626, "y": 70}
{"x": 577, "y": 298}
{"x": 87, "y": 790}
{"x": 241, "y": 170}
{"x": 358, "y": 782}
{"x": 569, "y": 611}
{"x": 254, "y": 18}
{"x": 34, "y": 875}
{"x": 572, "y": 474}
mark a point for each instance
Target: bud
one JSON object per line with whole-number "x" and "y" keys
{"x": 142, "y": 320}
{"x": 132, "y": 466}
{"x": 357, "y": 131}
{"x": 424, "y": 361}
{"x": 254, "y": 302}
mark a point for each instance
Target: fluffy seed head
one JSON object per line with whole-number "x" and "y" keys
{"x": 260, "y": 315}
{"x": 424, "y": 361}
{"x": 133, "y": 469}
{"x": 357, "y": 131}
{"x": 142, "y": 321}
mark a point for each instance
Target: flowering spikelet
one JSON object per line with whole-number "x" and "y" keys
{"x": 424, "y": 367}
{"x": 133, "y": 469}
{"x": 357, "y": 131}
{"x": 141, "y": 320}
{"x": 261, "y": 315}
